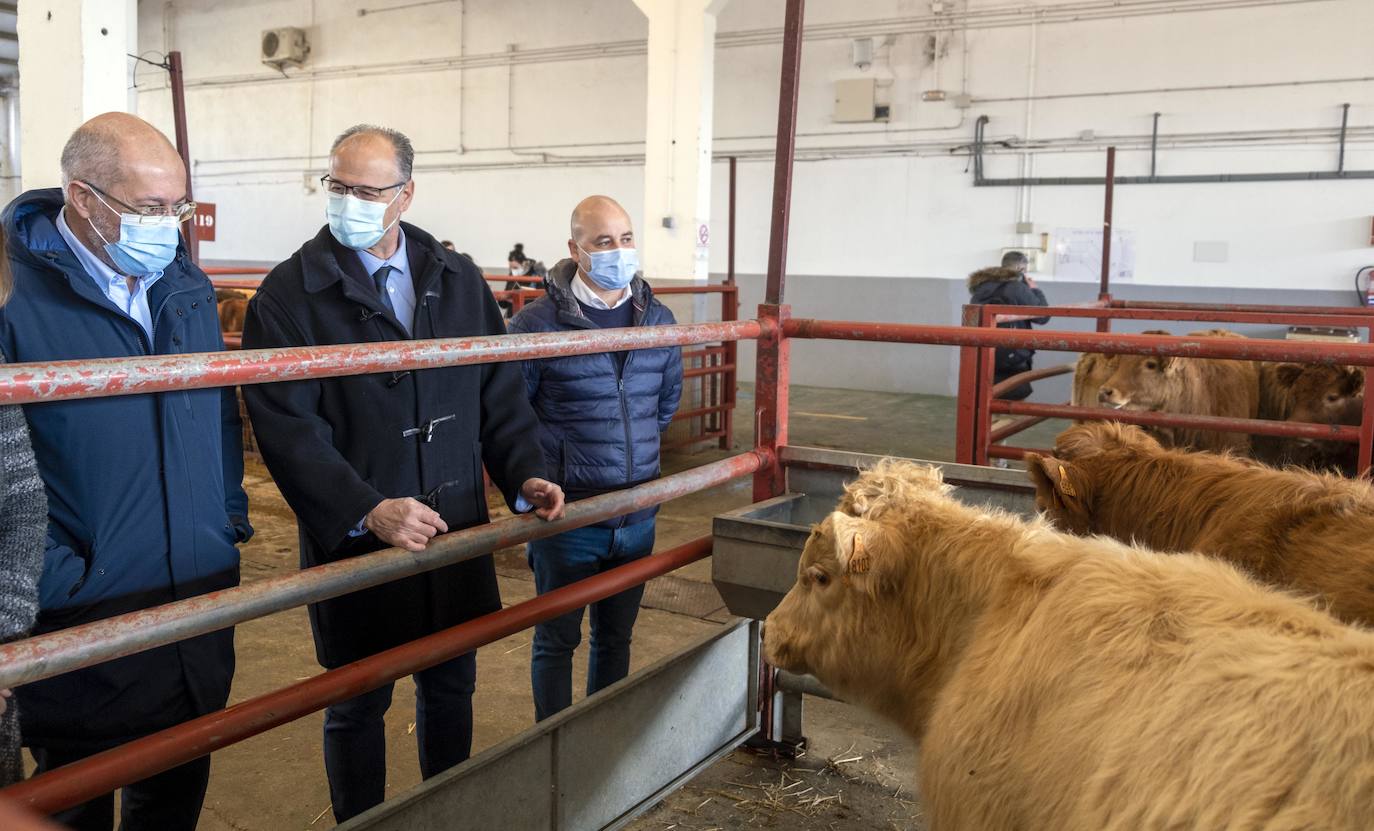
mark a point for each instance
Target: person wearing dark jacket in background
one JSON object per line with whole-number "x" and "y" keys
{"x": 145, "y": 492}
{"x": 521, "y": 266}
{"x": 1009, "y": 286}
{"x": 600, "y": 420}
{"x": 390, "y": 459}
{"x": 23, "y": 522}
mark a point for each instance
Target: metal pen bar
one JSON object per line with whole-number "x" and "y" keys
{"x": 99, "y": 774}
{"x": 1245, "y": 349}
{"x": 1222, "y": 424}
{"x": 61, "y": 380}
{"x": 52, "y": 654}
{"x": 1337, "y": 317}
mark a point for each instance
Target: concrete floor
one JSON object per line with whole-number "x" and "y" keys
{"x": 276, "y": 780}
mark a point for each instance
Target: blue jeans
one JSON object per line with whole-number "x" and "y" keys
{"x": 355, "y": 734}
{"x": 567, "y": 558}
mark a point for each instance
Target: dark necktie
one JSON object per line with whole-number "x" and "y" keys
{"x": 380, "y": 279}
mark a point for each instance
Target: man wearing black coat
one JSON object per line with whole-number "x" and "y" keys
{"x": 390, "y": 459}
{"x": 1009, "y": 286}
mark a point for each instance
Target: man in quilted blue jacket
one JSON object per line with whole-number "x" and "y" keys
{"x": 600, "y": 420}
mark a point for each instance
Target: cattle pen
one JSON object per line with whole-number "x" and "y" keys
{"x": 767, "y": 462}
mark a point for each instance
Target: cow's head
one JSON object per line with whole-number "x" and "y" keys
{"x": 837, "y": 622}
{"x": 1323, "y": 394}
{"x": 1065, "y": 487}
{"x": 1140, "y": 382}
{"x": 831, "y": 623}
{"x": 1089, "y": 374}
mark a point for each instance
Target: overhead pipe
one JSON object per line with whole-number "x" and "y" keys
{"x": 982, "y": 181}
{"x": 44, "y": 656}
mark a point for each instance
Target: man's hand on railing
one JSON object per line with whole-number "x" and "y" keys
{"x": 407, "y": 523}
{"x": 545, "y": 496}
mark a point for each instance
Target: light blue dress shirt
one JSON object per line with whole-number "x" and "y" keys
{"x": 114, "y": 285}
{"x": 400, "y": 288}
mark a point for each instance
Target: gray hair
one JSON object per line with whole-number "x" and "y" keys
{"x": 92, "y": 152}
{"x": 405, "y": 153}
{"x": 1015, "y": 259}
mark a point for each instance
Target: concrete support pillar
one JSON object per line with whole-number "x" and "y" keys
{"x": 677, "y": 144}
{"x": 73, "y": 65}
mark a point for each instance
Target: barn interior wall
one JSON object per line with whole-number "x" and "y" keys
{"x": 513, "y": 123}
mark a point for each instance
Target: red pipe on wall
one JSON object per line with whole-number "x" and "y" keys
{"x": 96, "y": 775}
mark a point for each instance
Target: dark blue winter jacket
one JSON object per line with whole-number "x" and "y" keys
{"x": 145, "y": 496}
{"x": 599, "y": 422}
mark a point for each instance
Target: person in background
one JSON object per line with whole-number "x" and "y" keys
{"x": 145, "y": 492}
{"x": 600, "y": 420}
{"x": 367, "y": 462}
{"x": 23, "y": 524}
{"x": 1009, "y": 285}
{"x": 449, "y": 246}
{"x": 521, "y": 266}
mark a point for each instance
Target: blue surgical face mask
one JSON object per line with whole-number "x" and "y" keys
{"x": 613, "y": 269}
{"x": 357, "y": 223}
{"x": 146, "y": 244}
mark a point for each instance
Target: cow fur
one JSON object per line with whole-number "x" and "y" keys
{"x": 1195, "y": 386}
{"x": 1294, "y": 529}
{"x": 1058, "y": 682}
{"x": 233, "y": 305}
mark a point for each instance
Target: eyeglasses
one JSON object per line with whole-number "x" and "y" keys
{"x": 181, "y": 211}
{"x": 371, "y": 194}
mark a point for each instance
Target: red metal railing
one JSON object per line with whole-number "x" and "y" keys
{"x": 977, "y": 442}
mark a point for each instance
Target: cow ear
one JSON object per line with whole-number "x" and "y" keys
{"x": 1352, "y": 384}
{"x": 861, "y": 545}
{"x": 1288, "y": 373}
{"x": 1060, "y": 484}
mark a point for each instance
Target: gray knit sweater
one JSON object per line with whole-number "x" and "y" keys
{"x": 23, "y": 534}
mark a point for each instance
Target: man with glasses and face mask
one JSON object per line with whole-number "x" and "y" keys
{"x": 390, "y": 459}
{"x": 145, "y": 497}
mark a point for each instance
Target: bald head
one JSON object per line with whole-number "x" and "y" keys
{"x": 113, "y": 147}
{"x": 595, "y": 215}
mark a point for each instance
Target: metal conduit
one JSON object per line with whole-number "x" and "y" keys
{"x": 33, "y": 659}
{"x": 141, "y": 758}
{"x": 62, "y": 380}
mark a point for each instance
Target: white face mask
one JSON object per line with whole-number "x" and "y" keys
{"x": 357, "y": 223}
{"x": 520, "y": 270}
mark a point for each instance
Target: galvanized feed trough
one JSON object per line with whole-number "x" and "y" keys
{"x": 754, "y": 561}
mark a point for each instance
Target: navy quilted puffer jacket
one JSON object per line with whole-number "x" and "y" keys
{"x": 599, "y": 423}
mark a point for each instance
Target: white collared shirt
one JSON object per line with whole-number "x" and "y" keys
{"x": 584, "y": 294}
{"x": 112, "y": 284}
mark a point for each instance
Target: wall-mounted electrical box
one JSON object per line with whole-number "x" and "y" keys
{"x": 856, "y": 100}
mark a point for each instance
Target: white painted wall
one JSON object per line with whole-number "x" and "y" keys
{"x": 260, "y": 139}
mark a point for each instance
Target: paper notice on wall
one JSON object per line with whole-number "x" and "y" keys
{"x": 1078, "y": 255}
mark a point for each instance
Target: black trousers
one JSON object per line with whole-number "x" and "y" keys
{"x": 168, "y": 801}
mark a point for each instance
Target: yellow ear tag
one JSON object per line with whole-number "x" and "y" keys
{"x": 858, "y": 561}
{"x": 1064, "y": 484}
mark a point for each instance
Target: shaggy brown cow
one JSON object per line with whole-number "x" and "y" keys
{"x": 1196, "y": 386}
{"x": 1306, "y": 531}
{"x": 233, "y": 305}
{"x": 1074, "y": 684}
{"x": 1315, "y": 394}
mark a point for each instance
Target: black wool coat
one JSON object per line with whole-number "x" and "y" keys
{"x": 336, "y": 446}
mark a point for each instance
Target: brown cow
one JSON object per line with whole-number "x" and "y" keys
{"x": 1057, "y": 682}
{"x": 1314, "y": 394}
{"x": 1089, "y": 374}
{"x": 1310, "y": 532}
{"x": 1195, "y": 386}
{"x": 233, "y": 305}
